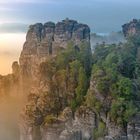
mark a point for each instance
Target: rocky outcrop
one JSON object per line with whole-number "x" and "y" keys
{"x": 113, "y": 131}
{"x": 47, "y": 40}
{"x": 133, "y": 128}
{"x": 65, "y": 127}
{"x": 38, "y": 121}
{"x": 44, "y": 43}
{"x": 131, "y": 28}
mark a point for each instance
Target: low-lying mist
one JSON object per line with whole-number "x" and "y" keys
{"x": 111, "y": 38}
{"x": 10, "y": 109}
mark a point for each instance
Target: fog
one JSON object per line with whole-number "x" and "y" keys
{"x": 9, "y": 117}
{"x": 111, "y": 38}
{"x": 10, "y": 48}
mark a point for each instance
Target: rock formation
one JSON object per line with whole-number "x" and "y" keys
{"x": 64, "y": 127}
{"x": 54, "y": 72}
{"x": 38, "y": 122}
{"x": 131, "y": 28}
{"x": 44, "y": 41}
{"x": 113, "y": 131}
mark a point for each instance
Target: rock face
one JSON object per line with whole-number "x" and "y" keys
{"x": 133, "y": 128}
{"x": 131, "y": 28}
{"x": 65, "y": 127}
{"x": 114, "y": 131}
{"x": 44, "y": 41}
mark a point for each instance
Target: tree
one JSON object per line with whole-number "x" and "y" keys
{"x": 82, "y": 85}
{"x": 85, "y": 57}
{"x": 123, "y": 88}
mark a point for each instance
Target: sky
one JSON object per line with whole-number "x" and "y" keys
{"x": 103, "y": 16}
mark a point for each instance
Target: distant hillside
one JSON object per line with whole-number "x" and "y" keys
{"x": 111, "y": 38}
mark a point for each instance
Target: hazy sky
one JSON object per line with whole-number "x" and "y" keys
{"x": 102, "y": 16}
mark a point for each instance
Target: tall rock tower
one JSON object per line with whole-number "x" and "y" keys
{"x": 46, "y": 40}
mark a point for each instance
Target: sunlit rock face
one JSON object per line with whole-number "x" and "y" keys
{"x": 47, "y": 40}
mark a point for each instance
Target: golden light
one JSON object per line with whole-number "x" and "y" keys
{"x": 10, "y": 47}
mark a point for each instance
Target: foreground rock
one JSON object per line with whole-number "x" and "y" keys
{"x": 64, "y": 127}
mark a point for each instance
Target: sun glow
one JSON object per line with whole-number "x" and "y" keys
{"x": 10, "y": 47}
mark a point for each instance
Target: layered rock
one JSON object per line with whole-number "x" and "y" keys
{"x": 43, "y": 43}
{"x": 47, "y": 40}
{"x": 133, "y": 129}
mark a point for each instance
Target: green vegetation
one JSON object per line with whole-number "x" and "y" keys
{"x": 93, "y": 102}
{"x": 50, "y": 119}
{"x": 100, "y": 130}
{"x": 65, "y": 80}
{"x": 116, "y": 74}
{"x": 121, "y": 111}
